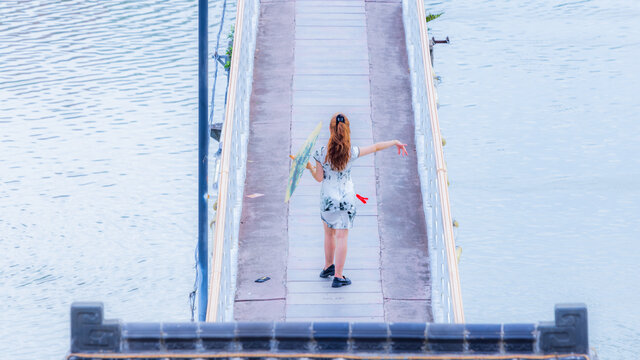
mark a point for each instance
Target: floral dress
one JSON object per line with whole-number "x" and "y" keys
{"x": 337, "y": 197}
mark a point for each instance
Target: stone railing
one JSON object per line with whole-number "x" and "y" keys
{"x": 92, "y": 337}
{"x": 228, "y": 168}
{"x": 445, "y": 282}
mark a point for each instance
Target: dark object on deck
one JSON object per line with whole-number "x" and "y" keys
{"x": 92, "y": 337}
{"x": 262, "y": 279}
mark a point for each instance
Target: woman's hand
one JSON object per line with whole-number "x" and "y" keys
{"x": 402, "y": 150}
{"x": 366, "y": 150}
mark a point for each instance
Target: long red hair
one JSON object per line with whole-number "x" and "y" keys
{"x": 339, "y": 145}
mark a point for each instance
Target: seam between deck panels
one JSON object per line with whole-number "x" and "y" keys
{"x": 375, "y": 168}
{"x": 288, "y": 212}
{"x": 247, "y": 300}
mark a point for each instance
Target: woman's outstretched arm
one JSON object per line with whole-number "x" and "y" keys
{"x": 366, "y": 150}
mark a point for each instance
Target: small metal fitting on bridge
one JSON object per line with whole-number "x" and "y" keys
{"x": 434, "y": 41}
{"x": 222, "y": 59}
{"x": 216, "y": 131}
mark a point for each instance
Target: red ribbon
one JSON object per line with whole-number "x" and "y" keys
{"x": 363, "y": 199}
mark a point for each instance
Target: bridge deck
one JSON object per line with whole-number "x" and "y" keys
{"x": 314, "y": 58}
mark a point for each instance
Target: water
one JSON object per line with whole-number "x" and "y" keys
{"x": 98, "y": 164}
{"x": 98, "y": 168}
{"x": 539, "y": 107}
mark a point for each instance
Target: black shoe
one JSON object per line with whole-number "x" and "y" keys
{"x": 340, "y": 282}
{"x": 330, "y": 271}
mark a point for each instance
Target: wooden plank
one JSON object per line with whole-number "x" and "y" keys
{"x": 313, "y": 251}
{"x": 331, "y": 94}
{"x": 334, "y": 297}
{"x": 334, "y": 311}
{"x": 328, "y": 9}
{"x": 354, "y": 33}
{"x": 333, "y": 100}
{"x": 355, "y": 83}
{"x": 314, "y": 21}
{"x": 344, "y": 54}
{"x": 303, "y": 45}
{"x": 330, "y": 3}
{"x": 351, "y": 264}
{"x": 358, "y": 286}
{"x": 313, "y": 275}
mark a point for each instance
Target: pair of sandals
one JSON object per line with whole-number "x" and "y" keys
{"x": 337, "y": 282}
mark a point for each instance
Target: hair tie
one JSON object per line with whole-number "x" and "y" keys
{"x": 339, "y": 119}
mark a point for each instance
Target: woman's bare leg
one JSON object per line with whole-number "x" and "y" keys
{"x": 329, "y": 245}
{"x": 341, "y": 250}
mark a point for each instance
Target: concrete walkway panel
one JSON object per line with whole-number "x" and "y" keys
{"x": 312, "y": 275}
{"x": 328, "y": 9}
{"x": 316, "y": 311}
{"x": 306, "y": 287}
{"x": 304, "y": 3}
{"x": 405, "y": 259}
{"x": 334, "y": 298}
{"x": 355, "y": 33}
{"x": 263, "y": 239}
{"x": 331, "y": 45}
{"x": 313, "y": 252}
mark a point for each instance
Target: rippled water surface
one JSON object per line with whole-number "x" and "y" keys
{"x": 539, "y": 107}
{"x": 98, "y": 164}
{"x": 98, "y": 144}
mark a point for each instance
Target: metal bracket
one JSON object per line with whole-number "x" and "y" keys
{"x": 432, "y": 42}
{"x": 222, "y": 59}
{"x": 216, "y": 131}
{"x": 445, "y": 41}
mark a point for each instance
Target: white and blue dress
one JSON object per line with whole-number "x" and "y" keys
{"x": 337, "y": 196}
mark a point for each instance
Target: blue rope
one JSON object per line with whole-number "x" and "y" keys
{"x": 215, "y": 76}
{"x": 192, "y": 295}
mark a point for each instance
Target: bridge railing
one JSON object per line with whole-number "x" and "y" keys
{"x": 93, "y": 337}
{"x": 446, "y": 295}
{"x": 228, "y": 167}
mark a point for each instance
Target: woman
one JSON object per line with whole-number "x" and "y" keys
{"x": 337, "y": 205}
